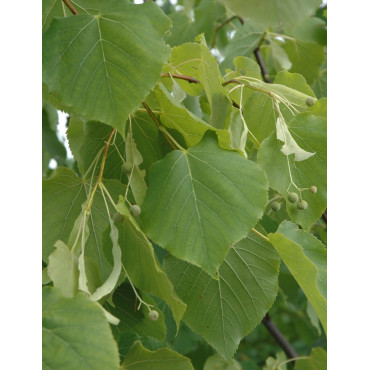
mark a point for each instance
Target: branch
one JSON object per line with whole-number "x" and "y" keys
{"x": 70, "y": 7}
{"x": 280, "y": 339}
{"x": 181, "y": 77}
{"x": 241, "y": 20}
{"x": 258, "y": 55}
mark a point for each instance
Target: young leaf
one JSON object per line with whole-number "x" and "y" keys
{"x": 76, "y": 334}
{"x": 201, "y": 201}
{"x": 140, "y": 358}
{"x": 290, "y": 146}
{"x": 224, "y": 311}
{"x": 93, "y": 62}
{"x": 305, "y": 256}
{"x": 317, "y": 360}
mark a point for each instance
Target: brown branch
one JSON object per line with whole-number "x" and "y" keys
{"x": 232, "y": 81}
{"x": 70, "y": 7}
{"x": 261, "y": 63}
{"x": 279, "y": 337}
{"x": 325, "y": 216}
{"x": 154, "y": 118}
{"x": 181, "y": 77}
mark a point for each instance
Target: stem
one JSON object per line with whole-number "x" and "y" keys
{"x": 279, "y": 337}
{"x": 154, "y": 118}
{"x": 241, "y": 20}
{"x": 260, "y": 235}
{"x": 70, "y": 7}
{"x": 100, "y": 176}
{"x": 181, "y": 77}
{"x": 136, "y": 293}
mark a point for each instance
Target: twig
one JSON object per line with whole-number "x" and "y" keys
{"x": 279, "y": 337}
{"x": 154, "y": 118}
{"x": 181, "y": 77}
{"x": 70, "y": 7}
{"x": 258, "y": 55}
{"x": 241, "y": 20}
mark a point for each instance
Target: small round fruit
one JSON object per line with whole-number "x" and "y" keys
{"x": 310, "y": 101}
{"x": 313, "y": 189}
{"x": 275, "y": 206}
{"x": 293, "y": 197}
{"x": 153, "y": 315}
{"x": 135, "y": 210}
{"x": 126, "y": 167}
{"x": 302, "y": 205}
{"x": 117, "y": 218}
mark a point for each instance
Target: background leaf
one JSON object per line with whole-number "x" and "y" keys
{"x": 305, "y": 256}
{"x": 224, "y": 311}
{"x": 139, "y": 358}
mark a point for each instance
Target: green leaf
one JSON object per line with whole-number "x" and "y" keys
{"x": 51, "y": 9}
{"x": 76, "y": 334}
{"x": 175, "y": 116}
{"x": 259, "y": 111}
{"x": 224, "y": 311}
{"x": 312, "y": 29}
{"x": 244, "y": 42}
{"x": 316, "y": 361}
{"x": 63, "y": 195}
{"x": 210, "y": 77}
{"x": 279, "y": 55}
{"x": 278, "y": 363}
{"x": 273, "y": 13}
{"x": 201, "y": 201}
{"x": 309, "y": 131}
{"x": 138, "y": 251}
{"x": 63, "y": 270}
{"x": 93, "y": 62}
{"x": 306, "y": 58}
{"x": 185, "y": 60}
{"x": 216, "y": 362}
{"x": 305, "y": 257}
{"x": 140, "y": 358}
{"x": 132, "y": 319}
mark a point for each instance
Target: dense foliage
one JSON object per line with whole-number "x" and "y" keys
{"x": 190, "y": 223}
